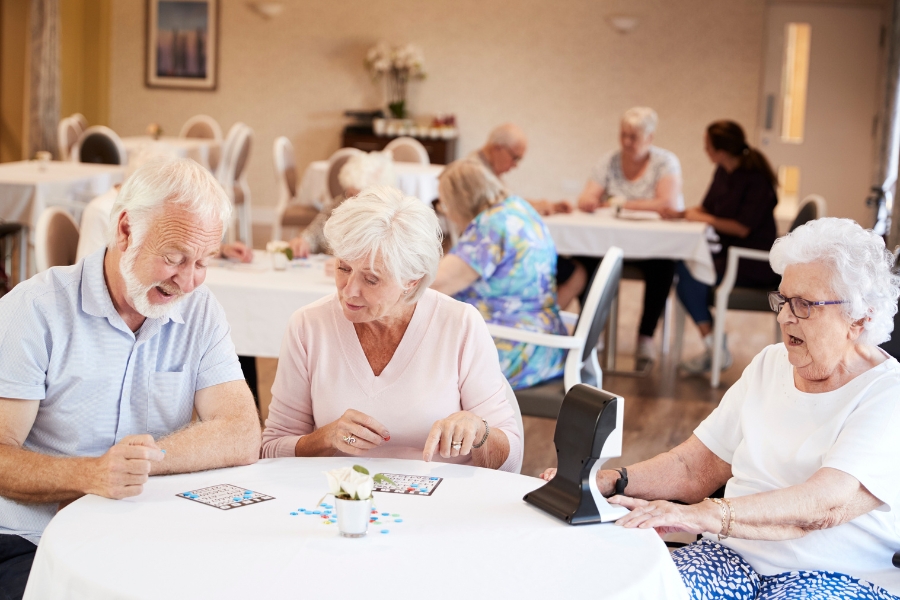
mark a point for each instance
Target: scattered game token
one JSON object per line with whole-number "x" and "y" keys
{"x": 317, "y": 512}
{"x": 395, "y": 515}
{"x": 237, "y": 498}
{"x": 385, "y": 514}
{"x": 433, "y": 478}
{"x": 293, "y": 514}
{"x": 398, "y": 520}
{"x": 324, "y": 516}
{"x": 378, "y": 522}
{"x": 385, "y": 531}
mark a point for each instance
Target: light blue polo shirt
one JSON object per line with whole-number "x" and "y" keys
{"x": 63, "y": 344}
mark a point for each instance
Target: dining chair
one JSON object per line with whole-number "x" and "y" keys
{"x": 67, "y": 133}
{"x": 581, "y": 364}
{"x": 517, "y": 413}
{"x": 206, "y": 128}
{"x": 409, "y": 150}
{"x": 727, "y": 296}
{"x": 12, "y": 235}
{"x": 234, "y": 180}
{"x": 55, "y": 239}
{"x": 287, "y": 212}
{"x": 99, "y": 144}
{"x": 81, "y": 120}
{"x": 336, "y": 162}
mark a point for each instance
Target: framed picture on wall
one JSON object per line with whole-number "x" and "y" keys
{"x": 182, "y": 43}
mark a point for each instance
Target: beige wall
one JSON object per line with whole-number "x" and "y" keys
{"x": 84, "y": 59}
{"x": 555, "y": 67}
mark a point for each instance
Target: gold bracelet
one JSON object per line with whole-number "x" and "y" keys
{"x": 730, "y": 517}
{"x": 723, "y": 532}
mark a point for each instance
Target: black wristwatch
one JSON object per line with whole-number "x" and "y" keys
{"x": 622, "y": 481}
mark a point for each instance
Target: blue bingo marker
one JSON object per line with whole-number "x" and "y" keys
{"x": 385, "y": 531}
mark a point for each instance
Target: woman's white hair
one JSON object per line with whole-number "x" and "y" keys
{"x": 861, "y": 270}
{"x": 642, "y": 118}
{"x": 466, "y": 188}
{"x": 366, "y": 169}
{"x": 166, "y": 180}
{"x": 382, "y": 222}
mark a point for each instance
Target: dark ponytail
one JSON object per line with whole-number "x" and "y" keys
{"x": 729, "y": 137}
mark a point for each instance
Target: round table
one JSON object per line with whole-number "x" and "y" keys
{"x": 473, "y": 537}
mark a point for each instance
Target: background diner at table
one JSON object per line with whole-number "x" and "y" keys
{"x": 386, "y": 367}
{"x": 646, "y": 178}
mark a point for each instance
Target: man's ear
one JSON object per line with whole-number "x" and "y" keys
{"x": 123, "y": 232}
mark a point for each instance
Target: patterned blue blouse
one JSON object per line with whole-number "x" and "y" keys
{"x": 510, "y": 248}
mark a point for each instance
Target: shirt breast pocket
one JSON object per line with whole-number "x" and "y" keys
{"x": 171, "y": 402}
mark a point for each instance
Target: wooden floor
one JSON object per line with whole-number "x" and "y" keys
{"x": 661, "y": 410}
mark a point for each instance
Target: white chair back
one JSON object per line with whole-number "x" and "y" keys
{"x": 335, "y": 163}
{"x": 227, "y": 150}
{"x": 207, "y": 128}
{"x": 67, "y": 134}
{"x": 99, "y": 144}
{"x": 407, "y": 149}
{"x": 81, "y": 120}
{"x": 234, "y": 180}
{"x": 55, "y": 239}
{"x": 285, "y": 179}
{"x": 514, "y": 403}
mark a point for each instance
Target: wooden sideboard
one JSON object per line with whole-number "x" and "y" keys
{"x": 440, "y": 152}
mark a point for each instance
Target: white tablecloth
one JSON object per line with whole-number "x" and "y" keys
{"x": 414, "y": 179}
{"x": 474, "y": 537}
{"x": 259, "y": 301}
{"x": 584, "y": 234}
{"x": 195, "y": 148}
{"x": 27, "y": 187}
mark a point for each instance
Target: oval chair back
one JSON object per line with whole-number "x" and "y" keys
{"x": 409, "y": 150}
{"x": 55, "y": 239}
{"x": 100, "y": 145}
{"x": 335, "y": 164}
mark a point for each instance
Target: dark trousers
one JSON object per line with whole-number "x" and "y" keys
{"x": 16, "y": 556}
{"x": 658, "y": 277}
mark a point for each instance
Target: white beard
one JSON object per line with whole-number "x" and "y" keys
{"x": 138, "y": 293}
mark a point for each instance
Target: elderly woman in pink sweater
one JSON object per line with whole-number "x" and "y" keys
{"x": 386, "y": 367}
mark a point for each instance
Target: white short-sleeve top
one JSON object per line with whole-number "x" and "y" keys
{"x": 775, "y": 436}
{"x": 608, "y": 174}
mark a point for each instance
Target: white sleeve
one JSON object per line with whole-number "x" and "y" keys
{"x": 721, "y": 431}
{"x": 868, "y": 445}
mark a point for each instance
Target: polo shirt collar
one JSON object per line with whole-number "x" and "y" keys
{"x": 96, "y": 300}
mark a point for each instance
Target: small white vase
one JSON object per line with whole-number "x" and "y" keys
{"x": 353, "y": 517}
{"x": 279, "y": 260}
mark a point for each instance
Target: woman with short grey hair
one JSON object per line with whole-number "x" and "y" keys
{"x": 805, "y": 442}
{"x": 386, "y": 367}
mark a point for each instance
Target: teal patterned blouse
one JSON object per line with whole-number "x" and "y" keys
{"x": 510, "y": 248}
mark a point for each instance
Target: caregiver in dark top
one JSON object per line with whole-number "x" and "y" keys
{"x": 740, "y": 207}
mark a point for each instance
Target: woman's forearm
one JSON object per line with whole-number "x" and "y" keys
{"x": 494, "y": 452}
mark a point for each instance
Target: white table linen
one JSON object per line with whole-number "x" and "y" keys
{"x": 592, "y": 234}
{"x": 195, "y": 148}
{"x": 259, "y": 301}
{"x": 413, "y": 179}
{"x": 474, "y": 533}
{"x": 28, "y": 187}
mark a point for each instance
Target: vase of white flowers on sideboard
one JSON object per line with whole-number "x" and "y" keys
{"x": 395, "y": 66}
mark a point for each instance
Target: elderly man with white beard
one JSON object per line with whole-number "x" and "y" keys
{"x": 103, "y": 363}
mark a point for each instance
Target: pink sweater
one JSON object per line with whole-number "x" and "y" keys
{"x": 445, "y": 363}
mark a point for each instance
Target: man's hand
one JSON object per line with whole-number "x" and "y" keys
{"x": 124, "y": 469}
{"x": 237, "y": 251}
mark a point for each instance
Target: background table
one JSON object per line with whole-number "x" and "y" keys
{"x": 592, "y": 234}
{"x": 28, "y": 187}
{"x": 259, "y": 301}
{"x": 197, "y": 149}
{"x": 474, "y": 536}
{"x": 413, "y": 179}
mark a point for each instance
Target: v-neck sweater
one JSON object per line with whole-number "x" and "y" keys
{"x": 446, "y": 362}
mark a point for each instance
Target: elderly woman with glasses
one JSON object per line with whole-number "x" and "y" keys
{"x": 386, "y": 367}
{"x": 806, "y": 442}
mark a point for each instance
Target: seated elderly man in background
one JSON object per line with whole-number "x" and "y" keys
{"x": 504, "y": 264}
{"x": 102, "y": 364}
{"x": 505, "y": 148}
{"x": 386, "y": 366}
{"x": 806, "y": 441}
{"x": 359, "y": 172}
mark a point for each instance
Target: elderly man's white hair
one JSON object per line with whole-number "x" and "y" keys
{"x": 382, "y": 222}
{"x": 861, "y": 270}
{"x": 164, "y": 180}
{"x": 642, "y": 118}
{"x": 366, "y": 169}
{"x": 506, "y": 136}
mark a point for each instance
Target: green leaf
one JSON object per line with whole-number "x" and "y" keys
{"x": 289, "y": 253}
{"x": 380, "y": 478}
{"x": 360, "y": 469}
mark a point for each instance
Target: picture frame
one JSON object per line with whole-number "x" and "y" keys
{"x": 182, "y": 44}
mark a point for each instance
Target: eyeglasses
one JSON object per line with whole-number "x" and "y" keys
{"x": 799, "y": 306}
